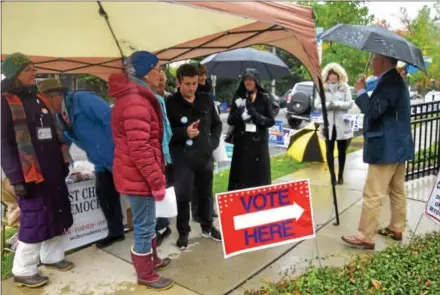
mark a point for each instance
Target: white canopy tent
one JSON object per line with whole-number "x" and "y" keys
{"x": 81, "y": 37}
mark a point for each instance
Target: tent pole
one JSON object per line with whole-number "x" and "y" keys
{"x": 104, "y": 14}
{"x": 331, "y": 164}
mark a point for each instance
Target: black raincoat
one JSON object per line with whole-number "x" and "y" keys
{"x": 250, "y": 165}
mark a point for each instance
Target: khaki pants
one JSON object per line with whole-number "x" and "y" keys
{"x": 383, "y": 180}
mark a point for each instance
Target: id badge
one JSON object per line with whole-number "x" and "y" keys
{"x": 44, "y": 133}
{"x": 251, "y": 128}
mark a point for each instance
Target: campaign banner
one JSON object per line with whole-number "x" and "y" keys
{"x": 89, "y": 224}
{"x": 287, "y": 133}
{"x": 264, "y": 217}
{"x": 433, "y": 204}
{"x": 276, "y": 135}
{"x": 229, "y": 150}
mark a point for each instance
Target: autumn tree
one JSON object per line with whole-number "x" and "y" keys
{"x": 424, "y": 32}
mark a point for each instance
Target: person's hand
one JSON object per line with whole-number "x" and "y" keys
{"x": 20, "y": 190}
{"x": 360, "y": 84}
{"x": 192, "y": 131}
{"x": 159, "y": 194}
{"x": 250, "y": 107}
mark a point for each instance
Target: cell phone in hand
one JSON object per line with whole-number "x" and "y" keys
{"x": 196, "y": 125}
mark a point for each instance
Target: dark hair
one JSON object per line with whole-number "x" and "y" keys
{"x": 331, "y": 72}
{"x": 186, "y": 70}
{"x": 202, "y": 69}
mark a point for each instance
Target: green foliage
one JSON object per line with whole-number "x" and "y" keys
{"x": 400, "y": 269}
{"x": 427, "y": 155}
{"x": 424, "y": 32}
{"x": 8, "y": 259}
{"x": 331, "y": 13}
{"x": 96, "y": 85}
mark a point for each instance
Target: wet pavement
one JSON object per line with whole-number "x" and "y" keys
{"x": 201, "y": 269}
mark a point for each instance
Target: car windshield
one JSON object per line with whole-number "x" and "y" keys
{"x": 308, "y": 89}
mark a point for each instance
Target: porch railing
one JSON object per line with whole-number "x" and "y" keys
{"x": 425, "y": 125}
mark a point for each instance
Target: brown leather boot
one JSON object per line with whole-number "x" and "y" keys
{"x": 62, "y": 265}
{"x": 159, "y": 263}
{"x": 144, "y": 266}
{"x": 34, "y": 281}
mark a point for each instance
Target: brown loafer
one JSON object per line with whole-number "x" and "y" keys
{"x": 397, "y": 236}
{"x": 34, "y": 281}
{"x": 355, "y": 242}
{"x": 62, "y": 265}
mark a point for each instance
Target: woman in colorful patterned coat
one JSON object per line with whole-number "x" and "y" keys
{"x": 36, "y": 163}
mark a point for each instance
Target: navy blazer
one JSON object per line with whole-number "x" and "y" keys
{"x": 387, "y": 121}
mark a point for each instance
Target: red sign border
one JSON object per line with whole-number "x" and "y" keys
{"x": 312, "y": 236}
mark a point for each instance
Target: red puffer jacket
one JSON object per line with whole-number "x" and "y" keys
{"x": 138, "y": 165}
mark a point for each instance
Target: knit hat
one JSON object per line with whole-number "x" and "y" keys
{"x": 140, "y": 63}
{"x": 14, "y": 64}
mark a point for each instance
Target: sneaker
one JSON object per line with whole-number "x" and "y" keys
{"x": 182, "y": 242}
{"x": 213, "y": 234}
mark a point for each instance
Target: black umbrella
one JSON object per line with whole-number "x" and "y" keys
{"x": 232, "y": 64}
{"x": 378, "y": 40}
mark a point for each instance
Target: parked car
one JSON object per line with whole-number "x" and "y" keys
{"x": 300, "y": 103}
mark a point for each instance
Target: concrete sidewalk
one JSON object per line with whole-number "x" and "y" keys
{"x": 202, "y": 270}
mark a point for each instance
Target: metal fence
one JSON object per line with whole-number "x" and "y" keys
{"x": 425, "y": 125}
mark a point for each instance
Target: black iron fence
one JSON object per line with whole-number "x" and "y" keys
{"x": 425, "y": 125}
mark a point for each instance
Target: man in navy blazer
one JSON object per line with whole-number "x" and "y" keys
{"x": 388, "y": 144}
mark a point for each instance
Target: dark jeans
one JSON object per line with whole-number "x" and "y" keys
{"x": 189, "y": 183}
{"x": 342, "y": 150}
{"x": 110, "y": 203}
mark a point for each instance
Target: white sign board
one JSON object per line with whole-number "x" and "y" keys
{"x": 433, "y": 204}
{"x": 89, "y": 224}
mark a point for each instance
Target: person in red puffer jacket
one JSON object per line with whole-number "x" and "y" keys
{"x": 138, "y": 165}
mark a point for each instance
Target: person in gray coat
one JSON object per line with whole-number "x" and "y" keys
{"x": 339, "y": 102}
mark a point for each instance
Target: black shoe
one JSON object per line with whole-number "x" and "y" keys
{"x": 34, "y": 281}
{"x": 340, "y": 180}
{"x": 109, "y": 241}
{"x": 160, "y": 237}
{"x": 213, "y": 234}
{"x": 182, "y": 242}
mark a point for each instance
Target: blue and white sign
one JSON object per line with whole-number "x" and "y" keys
{"x": 276, "y": 135}
{"x": 229, "y": 150}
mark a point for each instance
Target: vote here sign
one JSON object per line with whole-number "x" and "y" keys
{"x": 433, "y": 204}
{"x": 265, "y": 217}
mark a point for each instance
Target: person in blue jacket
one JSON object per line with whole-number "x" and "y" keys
{"x": 85, "y": 120}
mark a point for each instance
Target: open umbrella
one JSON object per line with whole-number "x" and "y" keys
{"x": 378, "y": 40}
{"x": 410, "y": 69}
{"x": 307, "y": 146}
{"x": 233, "y": 63}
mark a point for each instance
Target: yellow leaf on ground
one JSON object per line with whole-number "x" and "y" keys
{"x": 376, "y": 284}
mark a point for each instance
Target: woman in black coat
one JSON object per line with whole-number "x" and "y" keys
{"x": 251, "y": 115}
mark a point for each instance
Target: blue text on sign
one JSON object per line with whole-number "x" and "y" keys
{"x": 266, "y": 201}
{"x": 269, "y": 232}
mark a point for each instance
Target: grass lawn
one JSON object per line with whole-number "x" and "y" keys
{"x": 281, "y": 165}
{"x": 357, "y": 143}
{"x": 8, "y": 258}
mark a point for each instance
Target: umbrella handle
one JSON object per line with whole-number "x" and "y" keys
{"x": 368, "y": 64}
